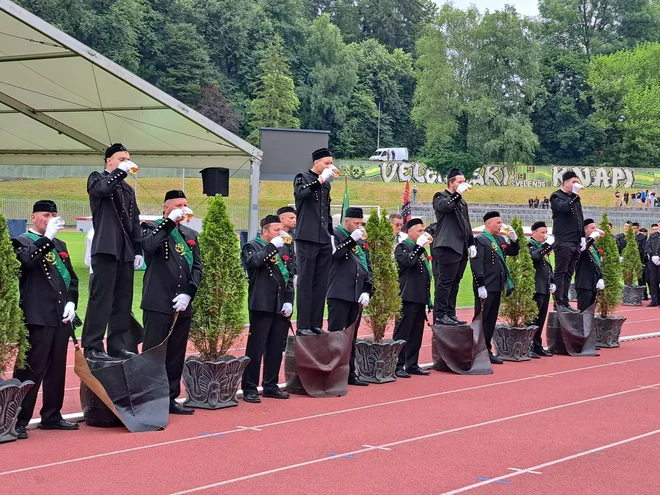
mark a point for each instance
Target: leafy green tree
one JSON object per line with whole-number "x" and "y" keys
{"x": 13, "y": 333}
{"x": 395, "y": 23}
{"x": 519, "y": 308}
{"x": 385, "y": 303}
{"x": 631, "y": 266}
{"x": 608, "y": 299}
{"x": 218, "y": 307}
{"x": 275, "y": 101}
{"x": 216, "y": 107}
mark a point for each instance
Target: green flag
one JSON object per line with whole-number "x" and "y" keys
{"x": 344, "y": 203}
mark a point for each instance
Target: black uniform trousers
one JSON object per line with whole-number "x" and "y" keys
{"x": 411, "y": 329}
{"x": 491, "y": 307}
{"x": 653, "y": 279}
{"x": 156, "y": 327}
{"x": 264, "y": 340}
{"x": 313, "y": 261}
{"x": 110, "y": 293}
{"x": 542, "y": 302}
{"x": 566, "y": 258}
{"x": 342, "y": 314}
{"x": 46, "y": 361}
{"x": 448, "y": 274}
{"x": 585, "y": 298}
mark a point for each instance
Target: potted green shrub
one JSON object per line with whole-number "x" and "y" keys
{"x": 631, "y": 269}
{"x": 376, "y": 358}
{"x": 13, "y": 338}
{"x": 212, "y": 379}
{"x": 514, "y": 338}
{"x": 608, "y": 326}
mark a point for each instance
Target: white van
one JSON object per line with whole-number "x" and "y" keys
{"x": 390, "y": 155}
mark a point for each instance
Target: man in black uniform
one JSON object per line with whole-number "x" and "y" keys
{"x": 621, "y": 238}
{"x": 174, "y": 270}
{"x": 415, "y": 290}
{"x": 49, "y": 294}
{"x": 640, "y": 237}
{"x": 288, "y": 218}
{"x": 452, "y": 244}
{"x": 652, "y": 248}
{"x": 491, "y": 274}
{"x": 311, "y": 190}
{"x": 569, "y": 234}
{"x": 540, "y": 245}
{"x": 270, "y": 302}
{"x": 588, "y": 273}
{"x": 116, "y": 253}
{"x": 350, "y": 279}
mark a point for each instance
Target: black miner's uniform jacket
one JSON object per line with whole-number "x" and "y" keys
{"x": 568, "y": 222}
{"x": 115, "y": 215}
{"x": 587, "y": 271}
{"x": 488, "y": 269}
{"x": 314, "y": 223}
{"x": 267, "y": 290}
{"x": 544, "y": 276}
{"x": 43, "y": 292}
{"x": 452, "y": 228}
{"x": 348, "y": 276}
{"x": 414, "y": 277}
{"x": 168, "y": 273}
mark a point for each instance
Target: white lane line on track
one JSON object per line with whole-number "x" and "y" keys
{"x": 526, "y": 470}
{"x": 552, "y": 463}
{"x": 321, "y": 415}
{"x": 424, "y": 437}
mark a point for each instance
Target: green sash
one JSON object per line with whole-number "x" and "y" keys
{"x": 509, "y": 280}
{"x": 280, "y": 262}
{"x": 426, "y": 262}
{"x": 360, "y": 252}
{"x": 180, "y": 241}
{"x": 595, "y": 255}
{"x": 537, "y": 244}
{"x": 59, "y": 264}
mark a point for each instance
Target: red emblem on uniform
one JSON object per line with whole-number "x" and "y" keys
{"x": 64, "y": 255}
{"x": 285, "y": 258}
{"x": 190, "y": 242}
{"x": 429, "y": 257}
{"x": 503, "y": 246}
{"x": 365, "y": 246}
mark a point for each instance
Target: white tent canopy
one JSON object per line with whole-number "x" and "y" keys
{"x": 62, "y": 103}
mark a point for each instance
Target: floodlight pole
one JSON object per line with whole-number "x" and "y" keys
{"x": 378, "y": 139}
{"x": 253, "y": 221}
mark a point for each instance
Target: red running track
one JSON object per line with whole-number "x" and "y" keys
{"x": 639, "y": 321}
{"x": 555, "y": 425}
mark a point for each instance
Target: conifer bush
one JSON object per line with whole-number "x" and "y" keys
{"x": 218, "y": 306}
{"x": 631, "y": 266}
{"x": 609, "y": 298}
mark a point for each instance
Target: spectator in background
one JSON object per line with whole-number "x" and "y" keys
{"x": 536, "y": 202}
{"x": 546, "y": 203}
{"x": 642, "y": 197}
{"x": 530, "y": 202}
{"x": 617, "y": 199}
{"x": 414, "y": 193}
{"x": 626, "y": 197}
{"x": 633, "y": 198}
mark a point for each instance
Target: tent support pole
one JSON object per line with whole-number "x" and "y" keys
{"x": 253, "y": 221}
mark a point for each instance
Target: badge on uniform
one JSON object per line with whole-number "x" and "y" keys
{"x": 50, "y": 257}
{"x": 179, "y": 248}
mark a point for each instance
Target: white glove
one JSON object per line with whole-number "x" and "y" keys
{"x": 176, "y": 214}
{"x": 577, "y": 188}
{"x": 512, "y": 234}
{"x": 583, "y": 244}
{"x": 473, "y": 251}
{"x": 295, "y": 281}
{"x": 287, "y": 309}
{"x": 127, "y": 165}
{"x": 600, "y": 285}
{"x": 620, "y": 259}
{"x": 69, "y": 312}
{"x": 553, "y": 288}
{"x": 55, "y": 224}
{"x": 364, "y": 299}
{"x": 138, "y": 261}
{"x": 327, "y": 175}
{"x": 462, "y": 188}
{"x": 549, "y": 239}
{"x": 483, "y": 293}
{"x": 356, "y": 235}
{"x": 278, "y": 242}
{"x": 181, "y": 302}
{"x": 594, "y": 235}
{"x": 655, "y": 260}
{"x": 423, "y": 239}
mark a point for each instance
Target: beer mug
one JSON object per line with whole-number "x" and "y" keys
{"x": 364, "y": 233}
{"x": 134, "y": 169}
{"x": 429, "y": 238}
{"x": 286, "y": 237}
{"x": 469, "y": 186}
{"x": 187, "y": 213}
{"x": 506, "y": 229}
{"x": 335, "y": 170}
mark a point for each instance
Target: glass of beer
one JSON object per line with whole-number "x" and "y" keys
{"x": 335, "y": 170}
{"x": 364, "y": 233}
{"x": 506, "y": 229}
{"x": 430, "y": 238}
{"x": 286, "y": 237}
{"x": 469, "y": 186}
{"x": 187, "y": 213}
{"x": 134, "y": 169}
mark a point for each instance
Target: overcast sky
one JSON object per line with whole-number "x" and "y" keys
{"x": 525, "y": 7}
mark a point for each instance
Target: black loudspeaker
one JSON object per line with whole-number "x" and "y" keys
{"x": 215, "y": 181}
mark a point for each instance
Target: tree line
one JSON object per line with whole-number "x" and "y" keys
{"x": 577, "y": 85}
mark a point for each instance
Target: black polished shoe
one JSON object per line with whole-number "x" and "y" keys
{"x": 533, "y": 355}
{"x": 402, "y": 374}
{"x": 176, "y": 408}
{"x": 354, "y": 380}
{"x": 317, "y": 330}
{"x": 95, "y": 355}
{"x": 251, "y": 397}
{"x": 458, "y": 322}
{"x": 542, "y": 352}
{"x": 494, "y": 359}
{"x": 59, "y": 425}
{"x": 22, "y": 432}
{"x": 417, "y": 371}
{"x": 570, "y": 309}
{"x": 303, "y": 332}
{"x": 122, "y": 354}
{"x": 445, "y": 320}
{"x": 652, "y": 304}
{"x": 275, "y": 394}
